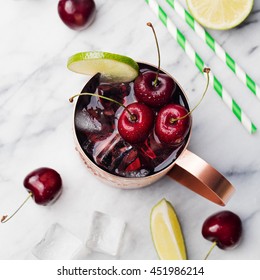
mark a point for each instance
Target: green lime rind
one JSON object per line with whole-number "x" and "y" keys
{"x": 113, "y": 67}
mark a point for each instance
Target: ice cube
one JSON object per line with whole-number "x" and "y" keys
{"x": 110, "y": 153}
{"x": 57, "y": 244}
{"x": 86, "y": 122}
{"x": 106, "y": 233}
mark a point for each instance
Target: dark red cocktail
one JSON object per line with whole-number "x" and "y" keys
{"x": 96, "y": 127}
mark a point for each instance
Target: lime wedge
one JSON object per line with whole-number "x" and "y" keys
{"x": 113, "y": 67}
{"x": 166, "y": 232}
{"x": 220, "y": 14}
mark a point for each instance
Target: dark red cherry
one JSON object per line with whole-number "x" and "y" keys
{"x": 224, "y": 228}
{"x": 77, "y": 14}
{"x": 136, "y": 123}
{"x": 169, "y": 128}
{"x": 45, "y": 184}
{"x": 152, "y": 93}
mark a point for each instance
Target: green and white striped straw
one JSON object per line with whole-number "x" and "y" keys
{"x": 215, "y": 47}
{"x": 197, "y": 60}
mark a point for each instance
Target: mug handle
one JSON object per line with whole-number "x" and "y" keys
{"x": 200, "y": 177}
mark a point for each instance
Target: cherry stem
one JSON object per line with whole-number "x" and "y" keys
{"x": 210, "y": 250}
{"x": 205, "y": 70}
{"x": 158, "y": 52}
{"x": 132, "y": 116}
{"x": 4, "y": 219}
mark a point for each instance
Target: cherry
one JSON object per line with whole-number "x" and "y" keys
{"x": 44, "y": 186}
{"x": 135, "y": 123}
{"x": 154, "y": 88}
{"x": 224, "y": 229}
{"x": 155, "y": 94}
{"x": 172, "y": 124}
{"x": 77, "y": 14}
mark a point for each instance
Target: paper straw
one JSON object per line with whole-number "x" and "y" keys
{"x": 197, "y": 60}
{"x": 215, "y": 47}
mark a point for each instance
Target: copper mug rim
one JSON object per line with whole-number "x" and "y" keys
{"x": 205, "y": 181}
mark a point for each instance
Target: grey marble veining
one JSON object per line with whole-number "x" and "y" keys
{"x": 36, "y": 126}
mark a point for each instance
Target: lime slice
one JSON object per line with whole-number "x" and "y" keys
{"x": 166, "y": 232}
{"x": 220, "y": 14}
{"x": 113, "y": 67}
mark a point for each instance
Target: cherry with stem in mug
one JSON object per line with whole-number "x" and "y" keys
{"x": 135, "y": 122}
{"x": 173, "y": 121}
{"x": 155, "y": 89}
{"x": 136, "y": 127}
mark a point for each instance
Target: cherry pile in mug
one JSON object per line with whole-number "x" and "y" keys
{"x": 96, "y": 124}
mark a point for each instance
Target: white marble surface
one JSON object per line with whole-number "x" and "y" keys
{"x": 36, "y": 126}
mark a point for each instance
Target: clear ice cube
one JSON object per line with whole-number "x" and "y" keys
{"x": 57, "y": 244}
{"x": 106, "y": 234}
{"x": 86, "y": 123}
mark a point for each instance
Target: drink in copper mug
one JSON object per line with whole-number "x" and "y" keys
{"x": 124, "y": 165}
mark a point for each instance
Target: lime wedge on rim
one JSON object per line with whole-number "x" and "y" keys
{"x": 166, "y": 232}
{"x": 220, "y": 14}
{"x": 113, "y": 67}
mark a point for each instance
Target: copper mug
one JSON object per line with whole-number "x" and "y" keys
{"x": 188, "y": 169}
